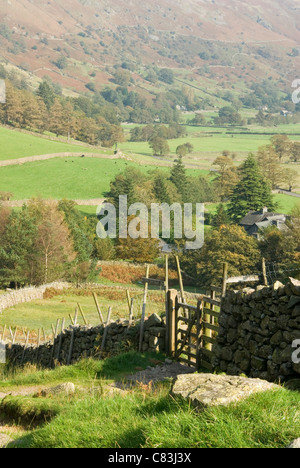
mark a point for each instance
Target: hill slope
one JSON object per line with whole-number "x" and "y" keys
{"x": 70, "y": 39}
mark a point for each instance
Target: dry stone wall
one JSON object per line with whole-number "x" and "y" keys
{"x": 257, "y": 331}
{"x": 14, "y": 297}
{"x": 78, "y": 342}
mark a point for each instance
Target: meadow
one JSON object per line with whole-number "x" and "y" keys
{"x": 16, "y": 144}
{"x": 42, "y": 314}
{"x": 88, "y": 178}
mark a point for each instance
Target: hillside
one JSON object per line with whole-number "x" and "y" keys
{"x": 76, "y": 42}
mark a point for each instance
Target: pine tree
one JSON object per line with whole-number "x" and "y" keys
{"x": 252, "y": 193}
{"x": 179, "y": 177}
{"x": 160, "y": 190}
{"x": 46, "y": 93}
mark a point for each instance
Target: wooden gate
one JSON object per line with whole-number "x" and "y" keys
{"x": 192, "y": 330}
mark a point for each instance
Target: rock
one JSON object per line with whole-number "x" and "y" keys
{"x": 4, "y": 440}
{"x": 295, "y": 444}
{"x": 62, "y": 389}
{"x": 294, "y": 300}
{"x": 295, "y": 286}
{"x": 153, "y": 321}
{"x": 204, "y": 390}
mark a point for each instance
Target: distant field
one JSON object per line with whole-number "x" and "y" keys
{"x": 204, "y": 143}
{"x": 286, "y": 203}
{"x": 15, "y": 144}
{"x": 86, "y": 178}
{"x": 73, "y": 178}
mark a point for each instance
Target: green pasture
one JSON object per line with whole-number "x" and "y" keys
{"x": 73, "y": 178}
{"x": 16, "y": 144}
{"x": 204, "y": 143}
{"x": 286, "y": 203}
{"x": 44, "y": 313}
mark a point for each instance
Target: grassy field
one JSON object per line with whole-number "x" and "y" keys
{"x": 44, "y": 313}
{"x": 16, "y": 144}
{"x": 85, "y": 178}
{"x": 140, "y": 417}
{"x": 73, "y": 178}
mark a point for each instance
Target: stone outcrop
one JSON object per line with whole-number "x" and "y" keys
{"x": 258, "y": 329}
{"x": 203, "y": 390}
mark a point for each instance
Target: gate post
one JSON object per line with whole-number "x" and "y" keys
{"x": 171, "y": 322}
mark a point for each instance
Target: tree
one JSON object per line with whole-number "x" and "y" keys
{"x": 269, "y": 163}
{"x": 166, "y": 75}
{"x": 139, "y": 250}
{"x": 274, "y": 246}
{"x": 229, "y": 115}
{"x": 252, "y": 192}
{"x": 184, "y": 150}
{"x": 53, "y": 246}
{"x": 34, "y": 112}
{"x": 229, "y": 244}
{"x": 126, "y": 184}
{"x": 179, "y": 178}
{"x": 282, "y": 145}
{"x": 227, "y": 176}
{"x": 46, "y": 93}
{"x": 295, "y": 152}
{"x": 13, "y": 108}
{"x": 289, "y": 178}
{"x": 221, "y": 217}
{"x": 122, "y": 77}
{"x": 56, "y": 118}
{"x": 17, "y": 248}
{"x": 159, "y": 146}
{"x": 160, "y": 189}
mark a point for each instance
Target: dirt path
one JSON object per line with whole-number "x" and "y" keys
{"x": 90, "y": 202}
{"x": 44, "y": 157}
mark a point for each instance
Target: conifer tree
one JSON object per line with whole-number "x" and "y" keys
{"x": 252, "y": 193}
{"x": 179, "y": 177}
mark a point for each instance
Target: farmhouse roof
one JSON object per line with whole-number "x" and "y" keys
{"x": 257, "y": 217}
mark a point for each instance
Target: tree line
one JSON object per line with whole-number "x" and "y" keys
{"x": 75, "y": 118}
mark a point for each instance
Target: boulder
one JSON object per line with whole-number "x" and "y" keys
{"x": 295, "y": 286}
{"x": 295, "y": 444}
{"x": 203, "y": 390}
{"x": 62, "y": 389}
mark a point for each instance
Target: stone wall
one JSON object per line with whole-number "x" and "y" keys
{"x": 18, "y": 296}
{"x": 257, "y": 331}
{"x": 79, "y": 342}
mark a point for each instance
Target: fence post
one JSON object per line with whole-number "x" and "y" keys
{"x": 144, "y": 310}
{"x": 225, "y": 277}
{"x": 98, "y": 308}
{"x": 128, "y": 299}
{"x": 264, "y": 272}
{"x": 71, "y": 347}
{"x": 54, "y": 339}
{"x": 131, "y": 311}
{"x": 180, "y": 279}
{"x": 171, "y": 322}
{"x": 106, "y": 329}
{"x": 82, "y": 314}
{"x": 60, "y": 339}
